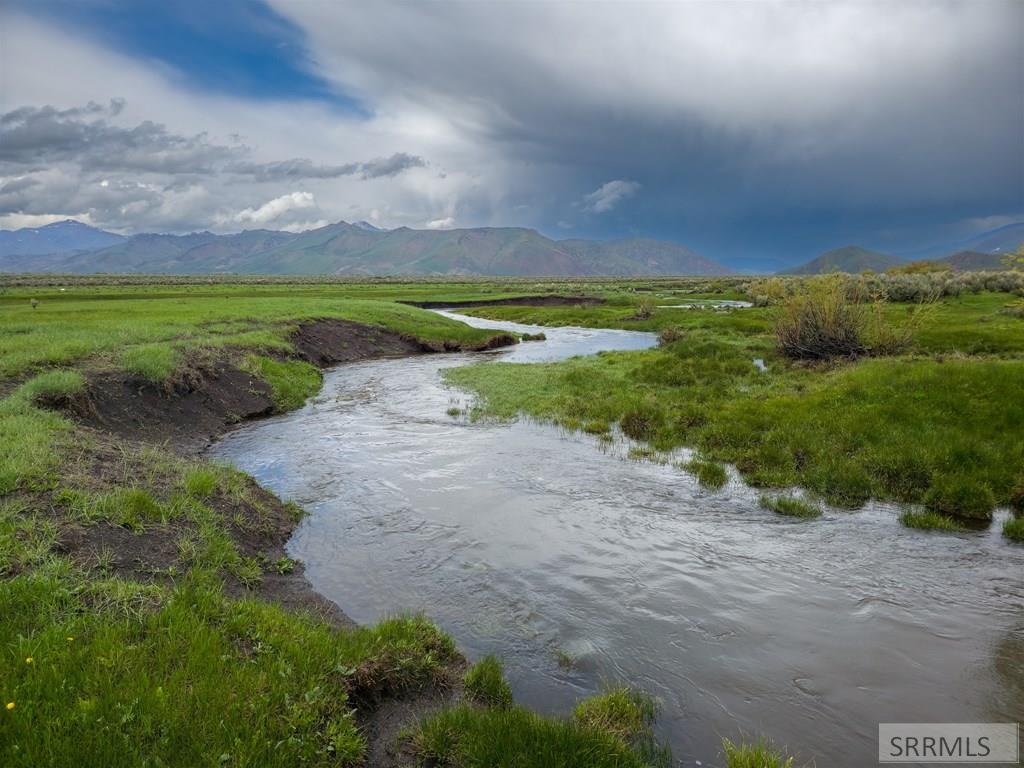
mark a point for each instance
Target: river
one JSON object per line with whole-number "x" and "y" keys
{"x": 577, "y": 565}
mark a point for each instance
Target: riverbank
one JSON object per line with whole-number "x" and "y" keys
{"x": 155, "y": 585}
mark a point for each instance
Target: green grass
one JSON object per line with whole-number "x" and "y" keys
{"x": 124, "y": 675}
{"x": 890, "y": 428}
{"x": 153, "y": 362}
{"x": 621, "y": 711}
{"x": 790, "y": 506}
{"x": 468, "y": 737}
{"x": 142, "y": 328}
{"x": 292, "y": 382}
{"x": 926, "y": 520}
{"x": 1013, "y": 529}
{"x": 710, "y": 474}
{"x": 760, "y": 755}
{"x": 961, "y": 495}
{"x": 485, "y": 683}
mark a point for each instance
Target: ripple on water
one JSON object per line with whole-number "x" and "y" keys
{"x": 524, "y": 541}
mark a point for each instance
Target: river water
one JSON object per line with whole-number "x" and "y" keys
{"x": 545, "y": 547}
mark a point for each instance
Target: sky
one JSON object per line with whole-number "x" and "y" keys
{"x": 757, "y": 133}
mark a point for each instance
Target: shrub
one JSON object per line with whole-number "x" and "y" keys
{"x": 533, "y": 337}
{"x": 670, "y": 334}
{"x": 791, "y": 506}
{"x": 961, "y": 497}
{"x": 485, "y": 683}
{"x": 644, "y": 309}
{"x": 819, "y": 322}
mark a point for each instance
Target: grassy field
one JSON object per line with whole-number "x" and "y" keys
{"x": 936, "y": 424}
{"x": 189, "y": 657}
{"x": 137, "y": 584}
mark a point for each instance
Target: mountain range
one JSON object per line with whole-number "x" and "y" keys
{"x": 984, "y": 251}
{"x": 344, "y": 249}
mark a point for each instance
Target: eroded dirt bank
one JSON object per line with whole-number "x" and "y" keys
{"x": 125, "y": 420}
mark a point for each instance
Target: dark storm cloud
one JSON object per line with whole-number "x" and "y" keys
{"x": 302, "y": 168}
{"x": 788, "y": 113}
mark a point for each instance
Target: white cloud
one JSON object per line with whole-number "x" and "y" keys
{"x": 610, "y": 194}
{"x": 446, "y": 223}
{"x": 276, "y": 208}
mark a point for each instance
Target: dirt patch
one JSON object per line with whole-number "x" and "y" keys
{"x": 384, "y": 726}
{"x": 187, "y": 415}
{"x": 518, "y": 301}
{"x": 330, "y": 341}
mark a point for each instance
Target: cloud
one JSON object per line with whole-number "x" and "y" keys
{"x": 446, "y": 223}
{"x": 610, "y": 194}
{"x": 303, "y": 168}
{"x": 276, "y": 208}
{"x": 755, "y": 128}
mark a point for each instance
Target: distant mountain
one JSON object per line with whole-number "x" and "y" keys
{"x": 362, "y": 249}
{"x": 973, "y": 261}
{"x": 852, "y": 259}
{"x": 641, "y": 256}
{"x": 1002, "y": 240}
{"x": 61, "y": 237}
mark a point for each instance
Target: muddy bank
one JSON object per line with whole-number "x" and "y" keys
{"x": 520, "y": 301}
{"x": 208, "y": 396}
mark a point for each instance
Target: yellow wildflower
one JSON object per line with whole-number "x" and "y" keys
{"x": 70, "y": 638}
{"x": 10, "y": 705}
{"x": 28, "y": 659}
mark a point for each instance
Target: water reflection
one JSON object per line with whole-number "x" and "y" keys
{"x": 578, "y": 565}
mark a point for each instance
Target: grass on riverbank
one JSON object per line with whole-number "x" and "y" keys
{"x": 124, "y": 641}
{"x": 147, "y": 332}
{"x": 936, "y": 430}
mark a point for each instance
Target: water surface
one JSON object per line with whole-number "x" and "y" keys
{"x": 536, "y": 545}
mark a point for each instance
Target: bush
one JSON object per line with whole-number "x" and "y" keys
{"x": 835, "y": 316}
{"x": 485, "y": 683}
{"x": 961, "y": 497}
{"x": 640, "y": 422}
{"x": 670, "y": 334}
{"x": 819, "y": 322}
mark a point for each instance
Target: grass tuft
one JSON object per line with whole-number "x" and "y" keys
{"x": 926, "y": 520}
{"x": 292, "y": 382}
{"x": 961, "y": 496}
{"x": 153, "y": 362}
{"x": 485, "y": 683}
{"x": 710, "y": 474}
{"x": 623, "y": 712}
{"x": 760, "y": 755}
{"x": 1013, "y": 529}
{"x": 791, "y": 506}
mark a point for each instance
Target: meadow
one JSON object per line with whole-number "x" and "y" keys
{"x": 151, "y": 615}
{"x": 150, "y": 609}
{"x": 935, "y": 423}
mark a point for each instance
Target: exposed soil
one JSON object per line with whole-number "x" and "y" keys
{"x": 121, "y": 416}
{"x": 518, "y": 301}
